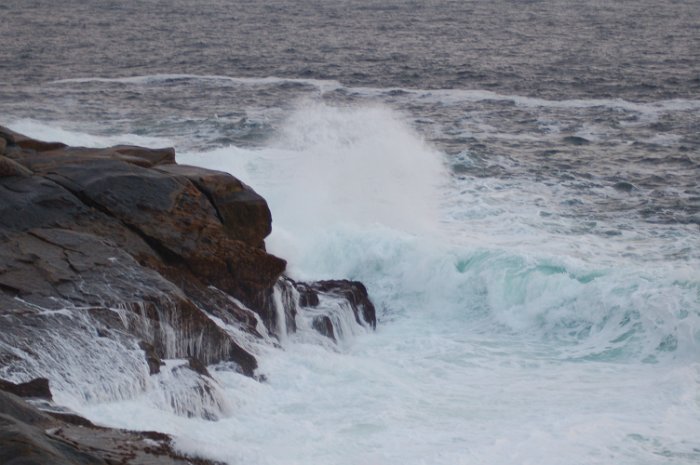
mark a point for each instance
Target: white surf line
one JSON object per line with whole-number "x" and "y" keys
{"x": 443, "y": 95}
{"x": 322, "y": 84}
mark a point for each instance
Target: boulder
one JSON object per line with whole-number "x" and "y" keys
{"x": 38, "y": 388}
{"x": 325, "y": 303}
{"x": 355, "y": 293}
{"x": 176, "y": 219}
{"x": 324, "y": 325}
{"x": 244, "y": 214}
{"x": 97, "y": 247}
{"x": 114, "y": 261}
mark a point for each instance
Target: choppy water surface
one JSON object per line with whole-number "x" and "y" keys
{"x": 516, "y": 183}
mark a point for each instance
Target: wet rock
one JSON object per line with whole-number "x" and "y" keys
{"x": 324, "y": 326}
{"x": 27, "y": 445}
{"x": 325, "y": 303}
{"x": 114, "y": 260}
{"x": 244, "y": 214}
{"x": 152, "y": 359}
{"x": 177, "y": 220}
{"x": 49, "y": 159}
{"x": 38, "y": 387}
{"x": 92, "y": 232}
{"x": 198, "y": 367}
{"x": 355, "y": 293}
{"x": 13, "y": 406}
{"x": 72, "y": 418}
{"x": 307, "y": 296}
{"x": 10, "y": 167}
{"x": 31, "y": 437}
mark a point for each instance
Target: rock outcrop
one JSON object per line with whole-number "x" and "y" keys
{"x": 29, "y": 436}
{"x": 37, "y": 388}
{"x": 115, "y": 260}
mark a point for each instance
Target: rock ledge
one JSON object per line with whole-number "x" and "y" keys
{"x": 115, "y": 261}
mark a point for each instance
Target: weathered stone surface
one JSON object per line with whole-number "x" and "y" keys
{"x": 355, "y": 293}
{"x": 31, "y": 437}
{"x": 13, "y": 406}
{"x": 324, "y": 301}
{"x": 14, "y": 139}
{"x": 47, "y": 160}
{"x": 38, "y": 387}
{"x": 99, "y": 238}
{"x": 118, "y": 259}
{"x": 245, "y": 214}
{"x": 10, "y": 167}
{"x": 177, "y": 220}
{"x": 82, "y": 270}
{"x": 324, "y": 326}
{"x": 152, "y": 359}
{"x": 7, "y": 135}
{"x": 307, "y": 296}
{"x": 27, "y": 445}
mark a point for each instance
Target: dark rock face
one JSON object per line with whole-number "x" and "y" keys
{"x": 324, "y": 325}
{"x": 31, "y": 437}
{"x": 114, "y": 260}
{"x": 326, "y": 303}
{"x": 355, "y": 293}
{"x": 10, "y": 167}
{"x": 102, "y": 229}
{"x": 240, "y": 209}
{"x": 38, "y": 387}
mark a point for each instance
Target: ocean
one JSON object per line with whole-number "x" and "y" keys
{"x": 516, "y": 183}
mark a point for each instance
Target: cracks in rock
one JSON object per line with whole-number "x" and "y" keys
{"x": 168, "y": 256}
{"x": 210, "y": 198}
{"x": 34, "y": 234}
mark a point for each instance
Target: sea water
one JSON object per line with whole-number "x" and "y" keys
{"x": 526, "y": 221}
{"x": 505, "y": 336}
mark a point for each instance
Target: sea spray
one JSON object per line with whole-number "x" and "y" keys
{"x": 354, "y": 191}
{"x": 330, "y": 166}
{"x": 490, "y": 350}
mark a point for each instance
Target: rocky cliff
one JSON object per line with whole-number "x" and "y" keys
{"x": 121, "y": 270}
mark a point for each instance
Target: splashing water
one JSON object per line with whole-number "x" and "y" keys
{"x": 490, "y": 349}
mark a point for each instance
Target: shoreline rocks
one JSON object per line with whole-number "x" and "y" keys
{"x": 33, "y": 437}
{"x": 114, "y": 261}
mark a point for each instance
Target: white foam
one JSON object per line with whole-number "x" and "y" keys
{"x": 456, "y": 96}
{"x": 499, "y": 340}
{"x": 354, "y": 193}
{"x": 447, "y": 96}
{"x": 180, "y": 390}
{"x": 324, "y": 85}
{"x": 355, "y": 166}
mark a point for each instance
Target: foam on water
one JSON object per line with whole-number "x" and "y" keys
{"x": 355, "y": 192}
{"x": 447, "y": 96}
{"x": 499, "y": 341}
{"x": 324, "y": 85}
{"x": 455, "y": 96}
{"x": 488, "y": 350}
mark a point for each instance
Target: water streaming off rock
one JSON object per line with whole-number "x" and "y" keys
{"x": 516, "y": 183}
